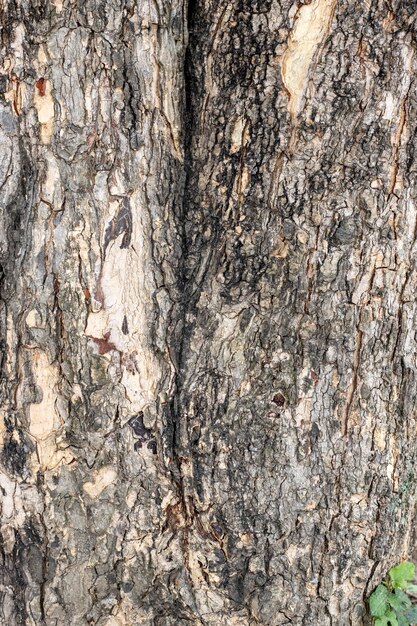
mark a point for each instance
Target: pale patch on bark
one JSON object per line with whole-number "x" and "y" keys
{"x": 295, "y": 552}
{"x": 9, "y": 490}
{"x": 44, "y": 104}
{"x": 58, "y": 5}
{"x": 104, "y": 477}
{"x": 126, "y": 300}
{"x": 281, "y": 249}
{"x": 303, "y": 412}
{"x": 8, "y": 537}
{"x": 42, "y": 415}
{"x": 44, "y": 418}
{"x": 115, "y": 621}
{"x": 18, "y": 58}
{"x": 379, "y": 438}
{"x": 240, "y": 134}
{"x": 33, "y": 319}
{"x": 389, "y": 106}
{"x": 311, "y": 26}
{"x": 51, "y": 184}
{"x": 12, "y": 515}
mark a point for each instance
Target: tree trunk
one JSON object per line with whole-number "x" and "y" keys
{"x": 208, "y": 239}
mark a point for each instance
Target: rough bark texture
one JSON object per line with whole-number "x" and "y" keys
{"x": 208, "y": 322}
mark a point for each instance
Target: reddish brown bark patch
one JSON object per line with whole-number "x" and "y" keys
{"x": 104, "y": 345}
{"x": 41, "y": 86}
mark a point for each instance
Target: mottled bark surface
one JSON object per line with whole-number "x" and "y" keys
{"x": 208, "y": 238}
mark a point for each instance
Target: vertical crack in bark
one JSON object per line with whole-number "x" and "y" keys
{"x": 178, "y": 419}
{"x": 181, "y": 452}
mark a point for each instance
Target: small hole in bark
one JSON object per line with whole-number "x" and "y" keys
{"x": 137, "y": 425}
{"x": 279, "y": 399}
{"x": 152, "y": 446}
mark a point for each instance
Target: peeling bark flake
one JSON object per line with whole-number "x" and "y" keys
{"x": 312, "y": 23}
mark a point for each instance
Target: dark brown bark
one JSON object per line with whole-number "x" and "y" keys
{"x": 208, "y": 390}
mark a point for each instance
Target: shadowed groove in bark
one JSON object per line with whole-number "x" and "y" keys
{"x": 175, "y": 416}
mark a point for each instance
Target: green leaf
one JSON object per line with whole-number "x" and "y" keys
{"x": 411, "y": 615}
{"x": 402, "y": 573}
{"x": 399, "y": 600}
{"x": 392, "y": 619}
{"x": 412, "y": 588}
{"x": 387, "y": 620}
{"x": 402, "y": 620}
{"x": 378, "y": 602}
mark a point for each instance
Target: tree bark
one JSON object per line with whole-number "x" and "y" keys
{"x": 208, "y": 324}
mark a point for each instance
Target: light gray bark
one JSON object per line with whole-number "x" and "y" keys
{"x": 208, "y": 241}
